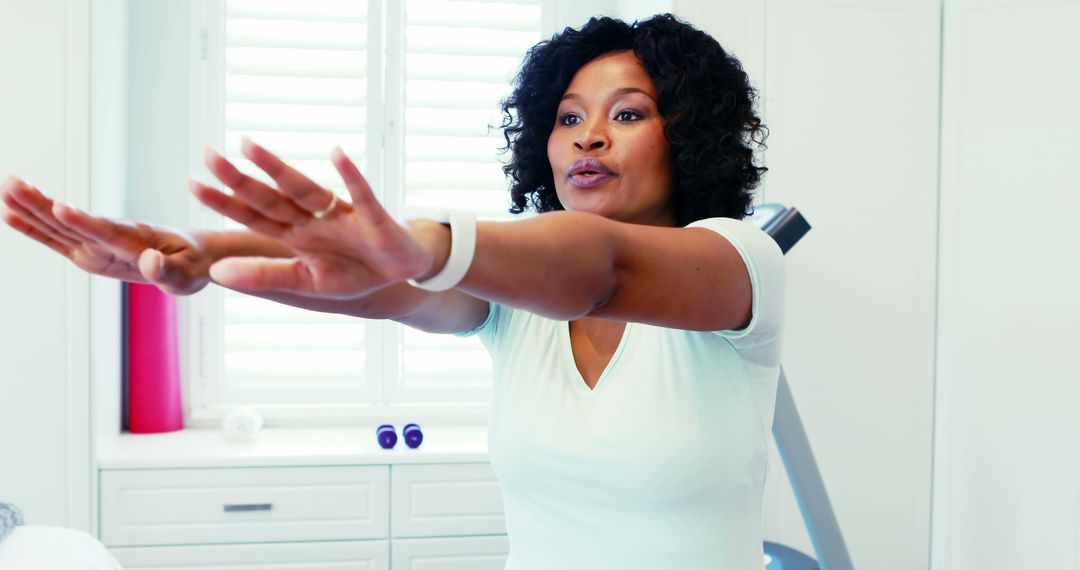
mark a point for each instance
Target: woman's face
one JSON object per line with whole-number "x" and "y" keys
{"x": 608, "y": 152}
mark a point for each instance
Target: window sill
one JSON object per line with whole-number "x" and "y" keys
{"x": 288, "y": 447}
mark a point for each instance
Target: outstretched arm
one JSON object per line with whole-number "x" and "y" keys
{"x": 178, "y": 261}
{"x": 174, "y": 260}
{"x": 567, "y": 265}
{"x": 563, "y": 265}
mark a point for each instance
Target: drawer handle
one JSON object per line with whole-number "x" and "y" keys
{"x": 248, "y": 508}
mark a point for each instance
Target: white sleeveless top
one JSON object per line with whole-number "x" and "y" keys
{"x": 663, "y": 464}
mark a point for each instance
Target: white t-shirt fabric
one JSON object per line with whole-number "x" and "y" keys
{"x": 663, "y": 464}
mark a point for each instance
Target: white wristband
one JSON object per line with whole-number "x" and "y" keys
{"x": 462, "y": 249}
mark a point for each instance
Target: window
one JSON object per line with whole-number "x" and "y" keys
{"x": 410, "y": 90}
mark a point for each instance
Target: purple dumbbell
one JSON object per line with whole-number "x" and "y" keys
{"x": 413, "y": 436}
{"x": 387, "y": 436}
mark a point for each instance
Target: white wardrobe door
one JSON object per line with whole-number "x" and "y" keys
{"x": 465, "y": 553}
{"x": 445, "y": 500}
{"x": 352, "y": 555}
{"x": 217, "y": 506}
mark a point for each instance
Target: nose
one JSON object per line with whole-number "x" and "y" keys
{"x": 592, "y": 137}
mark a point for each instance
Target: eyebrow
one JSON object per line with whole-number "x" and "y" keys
{"x": 617, "y": 92}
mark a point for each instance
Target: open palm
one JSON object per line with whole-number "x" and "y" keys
{"x": 131, "y": 251}
{"x": 343, "y": 250}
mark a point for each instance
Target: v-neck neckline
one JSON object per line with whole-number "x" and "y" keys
{"x": 580, "y": 386}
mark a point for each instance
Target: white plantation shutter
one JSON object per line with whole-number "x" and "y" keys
{"x": 457, "y": 61}
{"x": 296, "y": 80}
{"x": 280, "y": 355}
{"x": 300, "y": 78}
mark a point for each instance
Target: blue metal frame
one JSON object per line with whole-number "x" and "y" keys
{"x": 787, "y": 226}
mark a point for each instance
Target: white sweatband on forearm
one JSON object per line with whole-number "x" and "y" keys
{"x": 462, "y": 248}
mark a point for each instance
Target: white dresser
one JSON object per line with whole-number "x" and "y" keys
{"x": 301, "y": 499}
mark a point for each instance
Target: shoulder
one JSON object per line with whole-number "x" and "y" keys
{"x": 764, "y": 261}
{"x": 749, "y": 239}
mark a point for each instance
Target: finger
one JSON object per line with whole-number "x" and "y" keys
{"x": 262, "y": 198}
{"x": 32, "y": 204}
{"x": 29, "y": 218}
{"x": 36, "y": 209}
{"x": 22, "y": 226}
{"x": 127, "y": 238}
{"x": 165, "y": 272}
{"x": 102, "y": 261}
{"x": 9, "y": 184}
{"x": 262, "y": 274}
{"x": 309, "y": 195}
{"x": 236, "y": 209}
{"x": 363, "y": 198}
{"x": 151, "y": 264}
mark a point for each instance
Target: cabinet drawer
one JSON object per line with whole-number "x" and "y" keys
{"x": 446, "y": 500}
{"x": 474, "y": 553}
{"x": 215, "y": 506}
{"x": 348, "y": 555}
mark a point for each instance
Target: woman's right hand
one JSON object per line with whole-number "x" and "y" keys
{"x": 176, "y": 262}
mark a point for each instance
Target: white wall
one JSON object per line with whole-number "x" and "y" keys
{"x": 108, "y": 131}
{"x": 850, "y": 94}
{"x": 1008, "y": 453}
{"x": 59, "y": 331}
{"x": 44, "y": 313}
{"x": 574, "y": 13}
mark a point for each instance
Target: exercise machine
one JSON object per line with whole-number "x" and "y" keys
{"x": 787, "y": 226}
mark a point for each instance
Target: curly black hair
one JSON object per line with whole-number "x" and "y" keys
{"x": 704, "y": 97}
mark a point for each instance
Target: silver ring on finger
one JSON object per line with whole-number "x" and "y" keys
{"x": 322, "y": 213}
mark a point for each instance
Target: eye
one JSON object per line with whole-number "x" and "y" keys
{"x": 628, "y": 115}
{"x": 569, "y": 119}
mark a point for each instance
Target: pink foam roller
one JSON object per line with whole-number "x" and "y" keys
{"x": 153, "y": 361}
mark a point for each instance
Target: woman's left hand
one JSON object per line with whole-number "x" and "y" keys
{"x": 344, "y": 250}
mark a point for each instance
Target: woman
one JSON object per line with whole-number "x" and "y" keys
{"x": 634, "y": 326}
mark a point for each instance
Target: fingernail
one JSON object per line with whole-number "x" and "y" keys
{"x": 161, "y": 265}
{"x": 208, "y": 153}
{"x": 338, "y": 151}
{"x": 218, "y": 271}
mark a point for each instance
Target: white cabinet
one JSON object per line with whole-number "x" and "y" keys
{"x": 472, "y": 553}
{"x": 351, "y": 555}
{"x": 445, "y": 516}
{"x": 446, "y": 500}
{"x": 216, "y": 506}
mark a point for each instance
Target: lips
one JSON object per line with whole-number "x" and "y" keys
{"x": 589, "y": 172}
